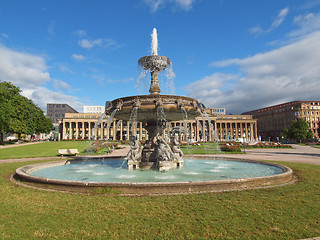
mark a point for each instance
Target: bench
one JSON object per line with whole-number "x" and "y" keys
{"x": 68, "y": 152}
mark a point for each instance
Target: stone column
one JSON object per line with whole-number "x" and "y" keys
{"x": 231, "y": 130}
{"x": 83, "y": 130}
{"x": 246, "y": 124}
{"x": 70, "y": 130}
{"x": 215, "y": 131}
{"x": 77, "y": 130}
{"x": 255, "y": 130}
{"x": 89, "y": 130}
{"x": 197, "y": 132}
{"x": 64, "y": 128}
{"x": 121, "y": 130}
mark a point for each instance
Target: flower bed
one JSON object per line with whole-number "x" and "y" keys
{"x": 230, "y": 148}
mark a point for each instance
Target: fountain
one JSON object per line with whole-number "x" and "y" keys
{"x": 154, "y": 111}
{"x": 167, "y": 170}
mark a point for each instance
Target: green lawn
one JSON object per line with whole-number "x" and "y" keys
{"x": 45, "y": 149}
{"x": 289, "y": 212}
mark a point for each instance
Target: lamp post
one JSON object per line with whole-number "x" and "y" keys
{"x": 244, "y": 142}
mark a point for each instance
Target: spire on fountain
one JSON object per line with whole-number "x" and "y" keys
{"x": 154, "y": 42}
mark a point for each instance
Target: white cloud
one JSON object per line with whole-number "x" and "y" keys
{"x": 307, "y": 23}
{"x": 29, "y": 73}
{"x": 275, "y": 24}
{"x": 41, "y": 96}
{"x": 58, "y": 84}
{"x": 155, "y": 5}
{"x": 22, "y": 69}
{"x": 4, "y": 36}
{"x": 102, "y": 79}
{"x": 285, "y": 74}
{"x": 78, "y": 57}
{"x": 51, "y": 27}
{"x": 100, "y": 42}
{"x": 80, "y": 33}
{"x": 65, "y": 68}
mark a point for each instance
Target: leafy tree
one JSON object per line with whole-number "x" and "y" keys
{"x": 19, "y": 114}
{"x": 8, "y": 94}
{"x": 299, "y": 130}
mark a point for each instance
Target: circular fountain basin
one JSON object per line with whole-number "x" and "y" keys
{"x": 147, "y": 107}
{"x": 197, "y": 175}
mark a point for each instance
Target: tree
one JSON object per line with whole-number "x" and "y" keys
{"x": 299, "y": 130}
{"x": 8, "y": 94}
{"x": 19, "y": 114}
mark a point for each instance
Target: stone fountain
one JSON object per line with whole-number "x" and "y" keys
{"x": 155, "y": 111}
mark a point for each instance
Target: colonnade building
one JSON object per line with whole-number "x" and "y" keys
{"x": 220, "y": 128}
{"x": 274, "y": 119}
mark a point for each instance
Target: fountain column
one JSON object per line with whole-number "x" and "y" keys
{"x": 154, "y": 88}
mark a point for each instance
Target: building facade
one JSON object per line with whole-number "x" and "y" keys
{"x": 93, "y": 109}
{"x": 220, "y": 128}
{"x": 218, "y": 111}
{"x": 56, "y": 111}
{"x": 274, "y": 119}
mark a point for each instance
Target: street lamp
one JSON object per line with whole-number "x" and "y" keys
{"x": 244, "y": 142}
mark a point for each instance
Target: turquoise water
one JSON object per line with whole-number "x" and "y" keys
{"x": 193, "y": 170}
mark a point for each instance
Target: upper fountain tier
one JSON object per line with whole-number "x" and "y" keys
{"x": 154, "y": 63}
{"x": 151, "y": 105}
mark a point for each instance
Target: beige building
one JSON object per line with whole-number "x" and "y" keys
{"x": 221, "y": 128}
{"x": 274, "y": 119}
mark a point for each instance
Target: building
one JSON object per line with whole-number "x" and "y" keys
{"x": 56, "y": 111}
{"x": 93, "y": 109}
{"x": 220, "y": 128}
{"x": 218, "y": 111}
{"x": 274, "y": 119}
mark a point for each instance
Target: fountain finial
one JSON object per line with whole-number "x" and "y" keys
{"x": 154, "y": 42}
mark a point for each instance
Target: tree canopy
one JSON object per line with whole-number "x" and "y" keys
{"x": 19, "y": 114}
{"x": 299, "y": 130}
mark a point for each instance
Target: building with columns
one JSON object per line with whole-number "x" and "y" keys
{"x": 220, "y": 128}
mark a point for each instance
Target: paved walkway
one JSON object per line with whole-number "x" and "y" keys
{"x": 298, "y": 154}
{"x": 18, "y": 144}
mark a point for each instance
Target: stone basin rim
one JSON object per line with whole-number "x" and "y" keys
{"x": 23, "y": 173}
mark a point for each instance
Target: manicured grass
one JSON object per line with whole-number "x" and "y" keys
{"x": 205, "y": 148}
{"x": 45, "y": 149}
{"x": 289, "y": 212}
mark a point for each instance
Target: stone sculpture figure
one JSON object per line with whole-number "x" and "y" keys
{"x": 175, "y": 147}
{"x": 135, "y": 151}
{"x": 163, "y": 151}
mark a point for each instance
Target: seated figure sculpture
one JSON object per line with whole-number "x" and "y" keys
{"x": 163, "y": 151}
{"x": 178, "y": 154}
{"x": 135, "y": 150}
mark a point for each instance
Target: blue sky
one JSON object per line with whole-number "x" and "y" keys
{"x": 241, "y": 55}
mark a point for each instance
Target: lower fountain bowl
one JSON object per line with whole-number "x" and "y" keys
{"x": 165, "y": 183}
